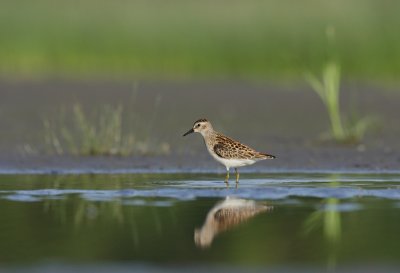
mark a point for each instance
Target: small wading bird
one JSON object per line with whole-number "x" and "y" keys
{"x": 225, "y": 150}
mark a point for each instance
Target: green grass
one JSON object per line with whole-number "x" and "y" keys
{"x": 103, "y": 135}
{"x": 197, "y": 39}
{"x": 328, "y": 89}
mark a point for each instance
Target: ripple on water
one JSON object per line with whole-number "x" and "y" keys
{"x": 22, "y": 198}
{"x": 179, "y": 193}
{"x": 343, "y": 207}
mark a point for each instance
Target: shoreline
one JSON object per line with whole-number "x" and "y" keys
{"x": 190, "y": 164}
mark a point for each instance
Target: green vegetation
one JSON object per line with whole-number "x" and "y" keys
{"x": 196, "y": 39}
{"x": 328, "y": 89}
{"x": 102, "y": 136}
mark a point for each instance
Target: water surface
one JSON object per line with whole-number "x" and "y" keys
{"x": 290, "y": 221}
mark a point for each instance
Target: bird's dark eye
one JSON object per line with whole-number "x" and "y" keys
{"x": 198, "y": 125}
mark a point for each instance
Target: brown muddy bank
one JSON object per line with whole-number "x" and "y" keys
{"x": 283, "y": 120}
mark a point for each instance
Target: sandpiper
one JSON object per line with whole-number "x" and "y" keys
{"x": 229, "y": 152}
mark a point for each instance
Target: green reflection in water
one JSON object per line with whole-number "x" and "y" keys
{"x": 330, "y": 218}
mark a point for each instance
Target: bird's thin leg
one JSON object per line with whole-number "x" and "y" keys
{"x": 237, "y": 177}
{"x": 227, "y": 178}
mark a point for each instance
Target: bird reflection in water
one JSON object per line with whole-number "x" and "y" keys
{"x": 226, "y": 215}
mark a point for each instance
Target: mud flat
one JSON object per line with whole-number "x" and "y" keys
{"x": 280, "y": 119}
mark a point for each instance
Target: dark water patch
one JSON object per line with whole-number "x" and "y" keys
{"x": 127, "y": 267}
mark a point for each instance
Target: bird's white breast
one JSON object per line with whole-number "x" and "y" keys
{"x": 231, "y": 163}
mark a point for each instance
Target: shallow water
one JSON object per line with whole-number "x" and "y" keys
{"x": 290, "y": 221}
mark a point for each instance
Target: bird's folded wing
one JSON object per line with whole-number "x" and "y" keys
{"x": 234, "y": 150}
{"x": 222, "y": 150}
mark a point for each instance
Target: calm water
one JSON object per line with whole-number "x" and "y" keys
{"x": 282, "y": 221}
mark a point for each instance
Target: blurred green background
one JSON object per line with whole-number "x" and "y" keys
{"x": 177, "y": 39}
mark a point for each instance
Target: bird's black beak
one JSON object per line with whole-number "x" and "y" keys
{"x": 188, "y": 132}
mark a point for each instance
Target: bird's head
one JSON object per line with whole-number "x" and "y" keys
{"x": 201, "y": 126}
